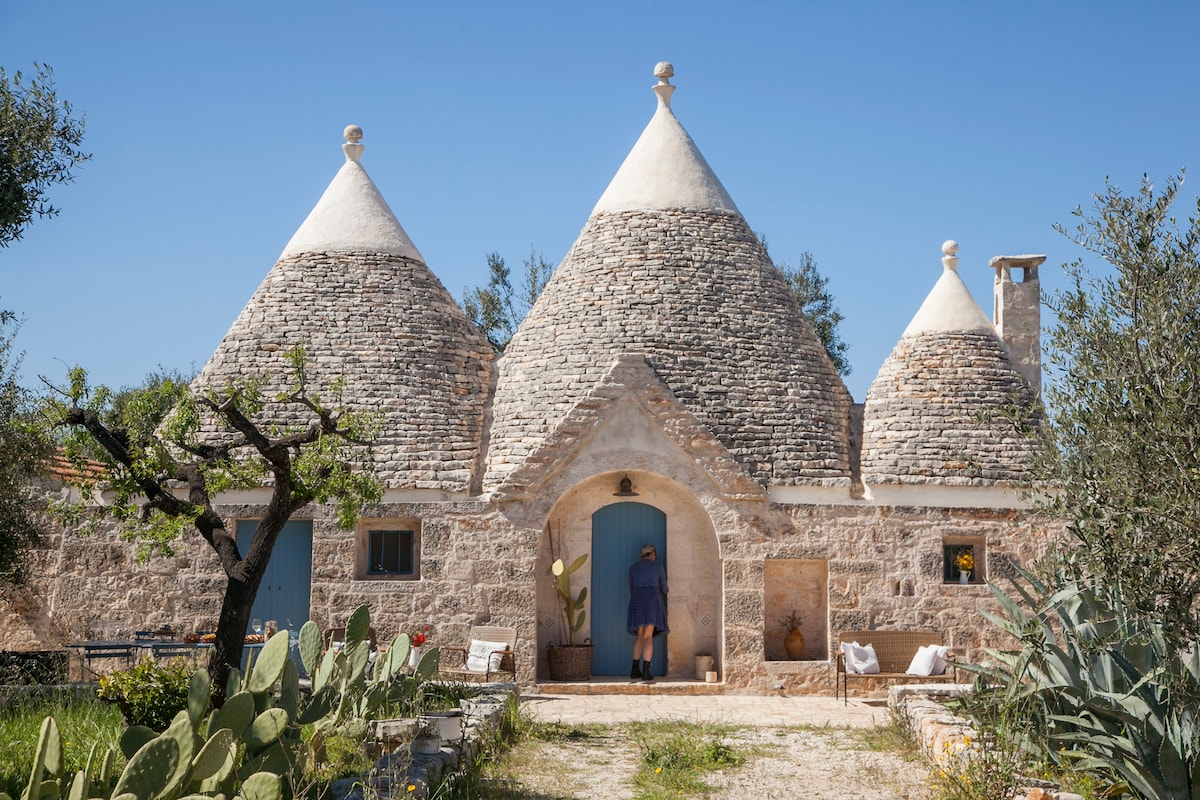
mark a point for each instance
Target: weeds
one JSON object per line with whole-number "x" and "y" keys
{"x": 676, "y": 754}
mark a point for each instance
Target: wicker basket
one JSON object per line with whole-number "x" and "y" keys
{"x": 569, "y": 662}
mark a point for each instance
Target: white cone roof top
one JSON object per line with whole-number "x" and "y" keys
{"x": 351, "y": 215}
{"x": 949, "y": 308}
{"x": 665, "y": 168}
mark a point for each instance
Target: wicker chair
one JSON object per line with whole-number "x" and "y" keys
{"x": 491, "y": 650}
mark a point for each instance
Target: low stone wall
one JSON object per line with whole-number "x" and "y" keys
{"x": 395, "y": 771}
{"x": 945, "y": 737}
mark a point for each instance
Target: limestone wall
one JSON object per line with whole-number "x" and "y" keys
{"x": 884, "y": 567}
{"x": 742, "y": 563}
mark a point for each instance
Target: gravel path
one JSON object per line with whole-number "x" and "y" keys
{"x": 781, "y": 762}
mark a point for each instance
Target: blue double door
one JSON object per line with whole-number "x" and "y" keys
{"x": 618, "y": 533}
{"x": 284, "y": 593}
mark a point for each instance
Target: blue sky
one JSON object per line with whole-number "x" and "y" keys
{"x": 866, "y": 133}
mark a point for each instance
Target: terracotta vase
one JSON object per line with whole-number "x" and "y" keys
{"x": 794, "y": 644}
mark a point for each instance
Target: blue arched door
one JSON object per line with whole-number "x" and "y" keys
{"x": 618, "y": 533}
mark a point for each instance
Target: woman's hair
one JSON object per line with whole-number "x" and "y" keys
{"x": 648, "y": 550}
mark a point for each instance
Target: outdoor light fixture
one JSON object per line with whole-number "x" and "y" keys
{"x": 626, "y": 488}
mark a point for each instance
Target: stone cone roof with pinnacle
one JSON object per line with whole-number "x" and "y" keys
{"x": 948, "y": 406}
{"x": 666, "y": 267}
{"x": 353, "y": 290}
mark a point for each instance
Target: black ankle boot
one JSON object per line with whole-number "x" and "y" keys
{"x": 636, "y": 672}
{"x": 646, "y": 676}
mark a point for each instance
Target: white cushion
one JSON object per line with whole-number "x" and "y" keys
{"x": 480, "y": 657}
{"x": 929, "y": 660}
{"x": 860, "y": 659}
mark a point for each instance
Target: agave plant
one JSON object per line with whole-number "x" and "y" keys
{"x": 1099, "y": 687}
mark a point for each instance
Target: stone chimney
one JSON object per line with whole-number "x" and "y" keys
{"x": 1018, "y": 313}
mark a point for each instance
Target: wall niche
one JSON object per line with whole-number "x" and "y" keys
{"x": 801, "y": 585}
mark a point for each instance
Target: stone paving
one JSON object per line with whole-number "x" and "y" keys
{"x": 730, "y": 709}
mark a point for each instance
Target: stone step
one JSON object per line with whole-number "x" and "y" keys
{"x": 617, "y": 685}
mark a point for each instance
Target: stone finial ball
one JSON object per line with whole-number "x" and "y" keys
{"x": 664, "y": 70}
{"x": 949, "y": 247}
{"x": 352, "y": 133}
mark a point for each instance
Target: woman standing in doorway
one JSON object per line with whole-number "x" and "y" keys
{"x": 647, "y": 611}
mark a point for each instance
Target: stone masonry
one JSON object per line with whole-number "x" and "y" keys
{"x": 693, "y": 290}
{"x": 949, "y": 408}
{"x": 405, "y": 350}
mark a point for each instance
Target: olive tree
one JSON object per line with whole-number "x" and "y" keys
{"x": 1123, "y": 395}
{"x": 498, "y": 308}
{"x": 39, "y": 147}
{"x": 166, "y": 476}
{"x": 24, "y": 450}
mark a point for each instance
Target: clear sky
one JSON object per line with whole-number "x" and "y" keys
{"x": 864, "y": 132}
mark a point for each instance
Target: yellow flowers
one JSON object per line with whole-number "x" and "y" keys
{"x": 657, "y": 770}
{"x": 411, "y": 787}
{"x": 965, "y": 561}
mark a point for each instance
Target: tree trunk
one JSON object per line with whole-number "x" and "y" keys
{"x": 231, "y": 633}
{"x": 240, "y": 593}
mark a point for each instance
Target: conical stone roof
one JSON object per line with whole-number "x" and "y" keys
{"x": 354, "y": 291}
{"x": 666, "y": 267}
{"x": 948, "y": 406}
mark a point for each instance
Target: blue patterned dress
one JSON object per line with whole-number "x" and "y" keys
{"x": 647, "y": 585}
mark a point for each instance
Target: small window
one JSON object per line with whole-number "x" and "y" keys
{"x": 388, "y": 550}
{"x": 390, "y": 553}
{"x": 962, "y": 556}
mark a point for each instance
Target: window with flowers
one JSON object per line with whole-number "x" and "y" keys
{"x": 963, "y": 554}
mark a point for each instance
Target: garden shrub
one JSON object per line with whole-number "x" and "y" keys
{"x": 151, "y": 693}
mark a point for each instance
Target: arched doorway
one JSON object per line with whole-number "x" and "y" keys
{"x": 618, "y": 532}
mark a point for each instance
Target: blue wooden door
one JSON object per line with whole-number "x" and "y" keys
{"x": 618, "y": 533}
{"x": 283, "y": 594}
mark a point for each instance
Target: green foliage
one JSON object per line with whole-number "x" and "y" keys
{"x": 498, "y": 308}
{"x": 676, "y": 754}
{"x": 306, "y": 447}
{"x": 83, "y": 721}
{"x": 348, "y": 696}
{"x": 1124, "y": 401}
{"x": 39, "y": 147}
{"x": 1098, "y": 687}
{"x": 572, "y": 605}
{"x": 809, "y": 287}
{"x": 151, "y": 693}
{"x": 24, "y": 451}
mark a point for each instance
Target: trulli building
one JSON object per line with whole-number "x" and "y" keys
{"x": 665, "y": 388}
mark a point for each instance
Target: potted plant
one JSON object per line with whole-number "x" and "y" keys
{"x": 793, "y": 642}
{"x": 965, "y": 561}
{"x": 570, "y": 662}
{"x": 426, "y": 741}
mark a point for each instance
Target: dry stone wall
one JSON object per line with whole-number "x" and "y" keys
{"x": 390, "y": 329}
{"x": 949, "y": 409}
{"x": 694, "y": 291}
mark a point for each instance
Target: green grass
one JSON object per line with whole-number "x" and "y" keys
{"x": 675, "y": 756}
{"x": 81, "y": 723}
